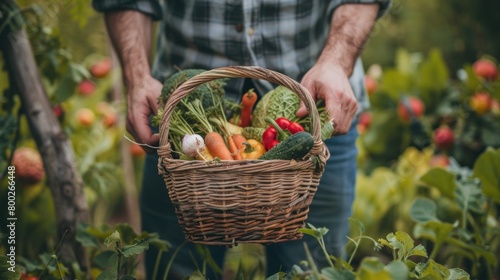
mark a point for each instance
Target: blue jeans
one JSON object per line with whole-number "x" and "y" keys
{"x": 330, "y": 208}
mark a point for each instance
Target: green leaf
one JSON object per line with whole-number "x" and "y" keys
{"x": 9, "y": 271}
{"x": 433, "y": 73}
{"x": 405, "y": 239}
{"x": 357, "y": 224}
{"x": 441, "y": 179}
{"x": 387, "y": 136}
{"x": 326, "y": 131}
{"x": 64, "y": 88}
{"x": 432, "y": 270}
{"x": 398, "y": 245}
{"x": 434, "y": 231}
{"x": 458, "y": 274}
{"x": 372, "y": 268}
{"x": 423, "y": 210}
{"x": 404, "y": 63}
{"x": 85, "y": 238}
{"x": 395, "y": 83}
{"x": 135, "y": 249}
{"x": 472, "y": 82}
{"x": 78, "y": 72}
{"x": 489, "y": 131}
{"x": 469, "y": 195}
{"x": 486, "y": 169}
{"x": 197, "y": 275}
{"x": 475, "y": 250}
{"x": 105, "y": 259}
{"x": 112, "y": 239}
{"x": 100, "y": 233}
{"x": 155, "y": 241}
{"x": 419, "y": 250}
{"x": 107, "y": 275}
{"x": 127, "y": 233}
{"x": 314, "y": 232}
{"x": 333, "y": 273}
{"x": 398, "y": 270}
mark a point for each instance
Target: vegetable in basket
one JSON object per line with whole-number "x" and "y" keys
{"x": 253, "y": 149}
{"x": 282, "y": 102}
{"x": 248, "y": 100}
{"x": 294, "y": 147}
{"x": 191, "y": 115}
{"x": 193, "y": 145}
{"x": 276, "y": 131}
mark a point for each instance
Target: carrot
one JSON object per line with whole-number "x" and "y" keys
{"x": 239, "y": 140}
{"x": 235, "y": 152}
{"x": 247, "y": 102}
{"x": 217, "y": 147}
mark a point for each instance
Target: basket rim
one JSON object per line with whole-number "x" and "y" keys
{"x": 254, "y": 72}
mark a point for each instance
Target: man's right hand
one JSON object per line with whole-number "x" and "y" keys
{"x": 142, "y": 99}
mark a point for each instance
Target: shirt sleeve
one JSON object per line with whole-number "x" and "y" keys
{"x": 384, "y": 4}
{"x": 149, "y": 7}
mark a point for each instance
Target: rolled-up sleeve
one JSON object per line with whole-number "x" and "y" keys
{"x": 384, "y": 4}
{"x": 149, "y": 7}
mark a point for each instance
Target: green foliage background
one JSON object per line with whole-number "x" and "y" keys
{"x": 463, "y": 29}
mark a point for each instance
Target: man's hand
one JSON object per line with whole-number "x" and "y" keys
{"x": 329, "y": 82}
{"x": 328, "y": 79}
{"x": 142, "y": 103}
{"x": 130, "y": 33}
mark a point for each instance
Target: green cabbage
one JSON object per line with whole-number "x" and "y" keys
{"x": 282, "y": 102}
{"x": 279, "y": 102}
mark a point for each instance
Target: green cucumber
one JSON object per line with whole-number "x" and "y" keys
{"x": 294, "y": 147}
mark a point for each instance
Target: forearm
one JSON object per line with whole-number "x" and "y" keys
{"x": 130, "y": 33}
{"x": 350, "y": 26}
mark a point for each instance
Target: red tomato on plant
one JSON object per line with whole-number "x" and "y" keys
{"x": 415, "y": 108}
{"x": 480, "y": 103}
{"x": 439, "y": 160}
{"x": 86, "y": 88}
{"x": 443, "y": 138}
{"x": 485, "y": 69}
{"x": 101, "y": 68}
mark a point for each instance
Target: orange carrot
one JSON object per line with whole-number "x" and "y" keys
{"x": 248, "y": 100}
{"x": 239, "y": 140}
{"x": 235, "y": 152}
{"x": 217, "y": 147}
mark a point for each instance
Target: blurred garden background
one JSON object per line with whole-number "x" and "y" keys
{"x": 429, "y": 147}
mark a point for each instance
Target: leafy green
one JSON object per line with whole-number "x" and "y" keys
{"x": 486, "y": 169}
{"x": 282, "y": 102}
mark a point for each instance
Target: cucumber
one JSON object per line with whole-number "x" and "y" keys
{"x": 294, "y": 147}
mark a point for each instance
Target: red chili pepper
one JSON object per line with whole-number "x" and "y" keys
{"x": 275, "y": 132}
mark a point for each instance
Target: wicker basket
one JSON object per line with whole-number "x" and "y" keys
{"x": 251, "y": 201}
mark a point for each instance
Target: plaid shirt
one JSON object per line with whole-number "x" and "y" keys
{"x": 283, "y": 35}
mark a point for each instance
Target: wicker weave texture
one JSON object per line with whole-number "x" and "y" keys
{"x": 252, "y": 201}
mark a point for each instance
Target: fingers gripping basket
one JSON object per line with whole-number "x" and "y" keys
{"x": 252, "y": 201}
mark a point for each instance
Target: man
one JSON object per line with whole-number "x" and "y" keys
{"x": 315, "y": 42}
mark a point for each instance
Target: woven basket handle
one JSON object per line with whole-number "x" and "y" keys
{"x": 253, "y": 72}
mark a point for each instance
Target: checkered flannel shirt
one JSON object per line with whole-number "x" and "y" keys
{"x": 283, "y": 35}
